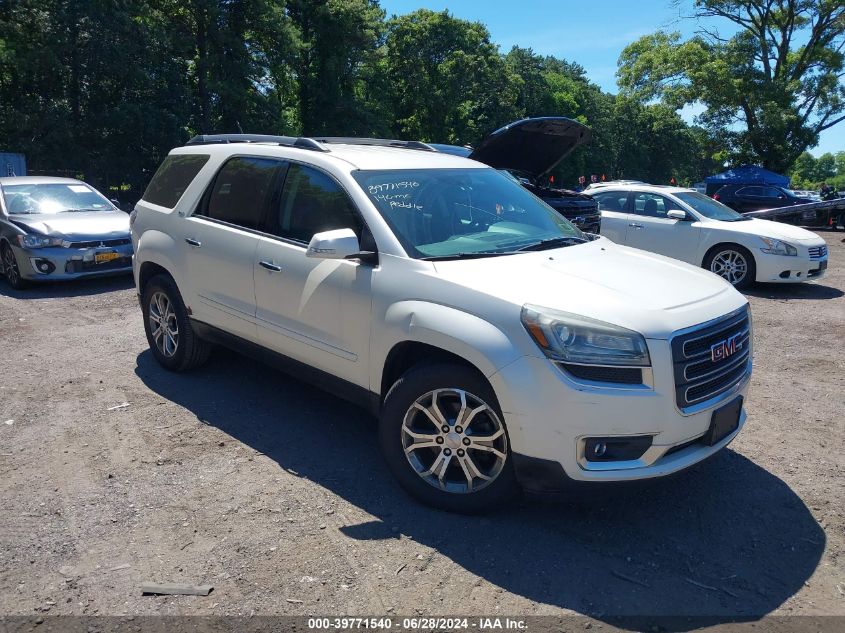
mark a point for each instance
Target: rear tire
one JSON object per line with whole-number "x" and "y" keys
{"x": 733, "y": 263}
{"x": 11, "y": 269}
{"x": 172, "y": 339}
{"x": 443, "y": 436}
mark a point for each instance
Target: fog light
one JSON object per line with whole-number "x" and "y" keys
{"x": 784, "y": 274}
{"x": 43, "y": 266}
{"x": 615, "y": 449}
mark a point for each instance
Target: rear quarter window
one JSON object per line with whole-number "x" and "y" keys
{"x": 171, "y": 179}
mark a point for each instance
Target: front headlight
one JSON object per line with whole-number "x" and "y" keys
{"x": 571, "y": 338}
{"x": 776, "y": 247}
{"x": 37, "y": 241}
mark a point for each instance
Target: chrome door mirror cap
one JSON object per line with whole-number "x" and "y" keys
{"x": 336, "y": 244}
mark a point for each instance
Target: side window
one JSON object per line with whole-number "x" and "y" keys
{"x": 612, "y": 201}
{"x": 173, "y": 177}
{"x": 750, "y": 191}
{"x": 239, "y": 193}
{"x": 651, "y": 205}
{"x": 771, "y": 192}
{"x": 311, "y": 202}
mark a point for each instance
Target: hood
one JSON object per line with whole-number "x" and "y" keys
{"x": 648, "y": 293}
{"x": 767, "y": 228}
{"x": 97, "y": 224}
{"x": 532, "y": 146}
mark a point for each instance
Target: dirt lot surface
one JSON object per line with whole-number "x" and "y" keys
{"x": 275, "y": 493}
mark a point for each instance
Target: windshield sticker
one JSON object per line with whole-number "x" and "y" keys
{"x": 78, "y": 188}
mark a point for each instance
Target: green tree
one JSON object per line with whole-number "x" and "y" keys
{"x": 825, "y": 167}
{"x": 84, "y": 82}
{"x": 533, "y": 96}
{"x": 337, "y": 49}
{"x": 447, "y": 81}
{"x": 803, "y": 172}
{"x": 769, "y": 90}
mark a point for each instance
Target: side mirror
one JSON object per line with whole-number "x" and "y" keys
{"x": 676, "y": 214}
{"x": 337, "y": 244}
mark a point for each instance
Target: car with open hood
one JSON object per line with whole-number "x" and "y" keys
{"x": 500, "y": 346}
{"x": 529, "y": 150}
{"x": 58, "y": 229}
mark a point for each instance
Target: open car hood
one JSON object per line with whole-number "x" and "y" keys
{"x": 533, "y": 146}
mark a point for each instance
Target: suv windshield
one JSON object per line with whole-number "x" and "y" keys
{"x": 710, "y": 208}
{"x": 449, "y": 213}
{"x": 53, "y": 198}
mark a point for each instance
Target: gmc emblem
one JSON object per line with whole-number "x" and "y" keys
{"x": 725, "y": 349}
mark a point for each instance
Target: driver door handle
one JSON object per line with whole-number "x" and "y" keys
{"x": 270, "y": 266}
{"x": 193, "y": 242}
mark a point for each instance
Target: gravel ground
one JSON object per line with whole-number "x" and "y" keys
{"x": 274, "y": 492}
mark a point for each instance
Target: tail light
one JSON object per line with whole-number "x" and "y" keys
{"x": 716, "y": 197}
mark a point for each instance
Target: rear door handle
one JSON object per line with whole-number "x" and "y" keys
{"x": 193, "y": 242}
{"x": 270, "y": 266}
{"x": 635, "y": 225}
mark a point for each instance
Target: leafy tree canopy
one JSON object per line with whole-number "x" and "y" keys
{"x": 769, "y": 89}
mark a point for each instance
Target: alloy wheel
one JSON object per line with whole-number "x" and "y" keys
{"x": 10, "y": 265}
{"x": 163, "y": 324}
{"x": 730, "y": 265}
{"x": 454, "y": 440}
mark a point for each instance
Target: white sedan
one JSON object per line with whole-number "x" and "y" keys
{"x": 688, "y": 225}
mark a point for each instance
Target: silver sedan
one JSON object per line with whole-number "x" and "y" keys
{"x": 59, "y": 228}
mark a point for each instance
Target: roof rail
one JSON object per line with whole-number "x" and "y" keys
{"x": 301, "y": 142}
{"x": 380, "y": 142}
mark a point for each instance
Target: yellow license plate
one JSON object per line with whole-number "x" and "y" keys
{"x": 103, "y": 258}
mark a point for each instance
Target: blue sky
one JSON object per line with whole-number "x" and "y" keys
{"x": 590, "y": 33}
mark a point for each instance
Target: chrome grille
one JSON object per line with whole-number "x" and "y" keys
{"x": 701, "y": 372}
{"x": 817, "y": 252}
{"x": 100, "y": 243}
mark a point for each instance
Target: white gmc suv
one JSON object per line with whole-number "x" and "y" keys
{"x": 501, "y": 347}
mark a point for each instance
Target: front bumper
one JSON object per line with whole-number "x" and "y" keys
{"x": 783, "y": 269}
{"x": 58, "y": 263}
{"x": 550, "y": 416}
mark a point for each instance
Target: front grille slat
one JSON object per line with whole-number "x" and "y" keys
{"x": 715, "y": 386}
{"x": 697, "y": 343}
{"x": 698, "y": 377}
{"x": 622, "y": 375}
{"x": 817, "y": 252}
{"x": 702, "y": 369}
{"x": 100, "y": 243}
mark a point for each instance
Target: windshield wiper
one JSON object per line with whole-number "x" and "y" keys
{"x": 553, "y": 242}
{"x": 479, "y": 255}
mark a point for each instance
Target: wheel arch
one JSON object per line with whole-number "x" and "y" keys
{"x": 407, "y": 354}
{"x": 729, "y": 244}
{"x": 4, "y": 242}
{"x": 152, "y": 258}
{"x": 419, "y": 331}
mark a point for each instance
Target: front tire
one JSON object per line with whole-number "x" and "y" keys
{"x": 444, "y": 438}
{"x": 170, "y": 335}
{"x": 11, "y": 269}
{"x": 733, "y": 263}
